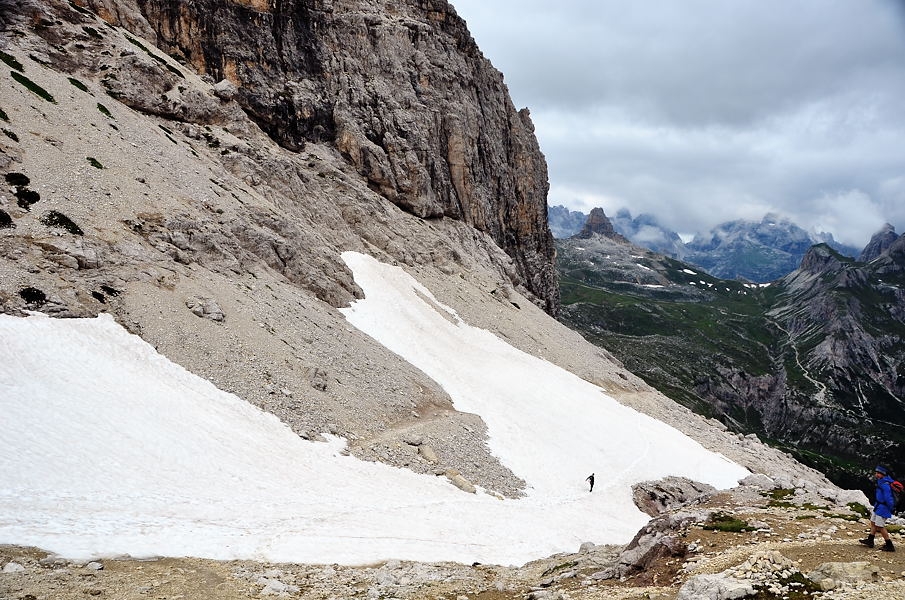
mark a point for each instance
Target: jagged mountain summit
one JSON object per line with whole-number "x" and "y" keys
{"x": 564, "y": 222}
{"x": 879, "y": 243}
{"x": 597, "y": 224}
{"x": 811, "y": 361}
{"x": 757, "y": 251}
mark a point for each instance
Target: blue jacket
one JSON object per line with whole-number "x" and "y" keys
{"x": 884, "y": 501}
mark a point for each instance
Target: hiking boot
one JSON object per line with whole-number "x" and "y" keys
{"x": 868, "y": 541}
{"x": 888, "y": 547}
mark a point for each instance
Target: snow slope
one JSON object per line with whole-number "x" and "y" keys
{"x": 108, "y": 448}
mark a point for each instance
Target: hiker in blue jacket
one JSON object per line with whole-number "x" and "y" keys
{"x": 883, "y": 506}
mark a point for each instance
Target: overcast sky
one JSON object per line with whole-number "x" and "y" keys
{"x": 703, "y": 111}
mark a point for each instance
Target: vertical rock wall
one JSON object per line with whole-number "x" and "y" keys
{"x": 399, "y": 87}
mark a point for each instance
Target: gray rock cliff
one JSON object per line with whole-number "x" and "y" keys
{"x": 399, "y": 88}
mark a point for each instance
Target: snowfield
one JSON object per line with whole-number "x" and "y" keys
{"x": 108, "y": 448}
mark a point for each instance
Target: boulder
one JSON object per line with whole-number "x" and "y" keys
{"x": 657, "y": 497}
{"x": 460, "y": 482}
{"x": 830, "y": 574}
{"x": 715, "y": 587}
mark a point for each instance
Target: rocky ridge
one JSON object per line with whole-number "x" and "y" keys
{"x": 757, "y": 251}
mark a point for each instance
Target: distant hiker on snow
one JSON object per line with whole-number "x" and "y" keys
{"x": 590, "y": 479}
{"x": 884, "y": 502}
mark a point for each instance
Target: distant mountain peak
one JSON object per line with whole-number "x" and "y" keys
{"x": 599, "y": 224}
{"x": 821, "y": 258}
{"x": 879, "y": 243}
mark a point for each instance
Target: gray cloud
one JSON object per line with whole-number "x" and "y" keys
{"x": 702, "y": 111}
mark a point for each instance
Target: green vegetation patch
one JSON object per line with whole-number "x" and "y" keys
{"x": 859, "y": 508}
{"x": 3, "y": 115}
{"x": 32, "y": 86}
{"x": 795, "y": 587}
{"x": 57, "y": 219}
{"x": 779, "y": 494}
{"x": 11, "y": 135}
{"x": 560, "y": 567}
{"x": 33, "y": 296}
{"x": 104, "y": 111}
{"x": 781, "y": 504}
{"x": 80, "y": 9}
{"x": 853, "y": 518}
{"x": 78, "y": 84}
{"x": 721, "y": 521}
{"x": 94, "y": 162}
{"x": 17, "y": 178}
{"x": 92, "y": 32}
{"x": 26, "y": 197}
{"x": 11, "y": 61}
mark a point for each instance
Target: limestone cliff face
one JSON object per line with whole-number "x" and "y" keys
{"x": 400, "y": 89}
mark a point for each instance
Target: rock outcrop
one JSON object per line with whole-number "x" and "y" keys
{"x": 878, "y": 243}
{"x": 599, "y": 224}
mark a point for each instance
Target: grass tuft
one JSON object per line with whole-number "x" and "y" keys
{"x": 58, "y": 219}
{"x": 17, "y": 178}
{"x": 11, "y": 61}
{"x": 721, "y": 521}
{"x": 78, "y": 84}
{"x": 94, "y": 162}
{"x": 32, "y": 86}
{"x": 6, "y": 222}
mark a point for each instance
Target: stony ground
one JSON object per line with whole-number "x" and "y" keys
{"x": 806, "y": 533}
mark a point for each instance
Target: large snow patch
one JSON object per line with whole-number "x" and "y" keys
{"x": 108, "y": 448}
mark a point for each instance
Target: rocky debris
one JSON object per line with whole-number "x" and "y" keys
{"x": 657, "y": 497}
{"x": 759, "y": 481}
{"x": 715, "y": 587}
{"x": 13, "y": 567}
{"x": 460, "y": 482}
{"x": 769, "y": 572}
{"x": 206, "y": 308}
{"x": 428, "y": 454}
{"x": 661, "y": 538}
